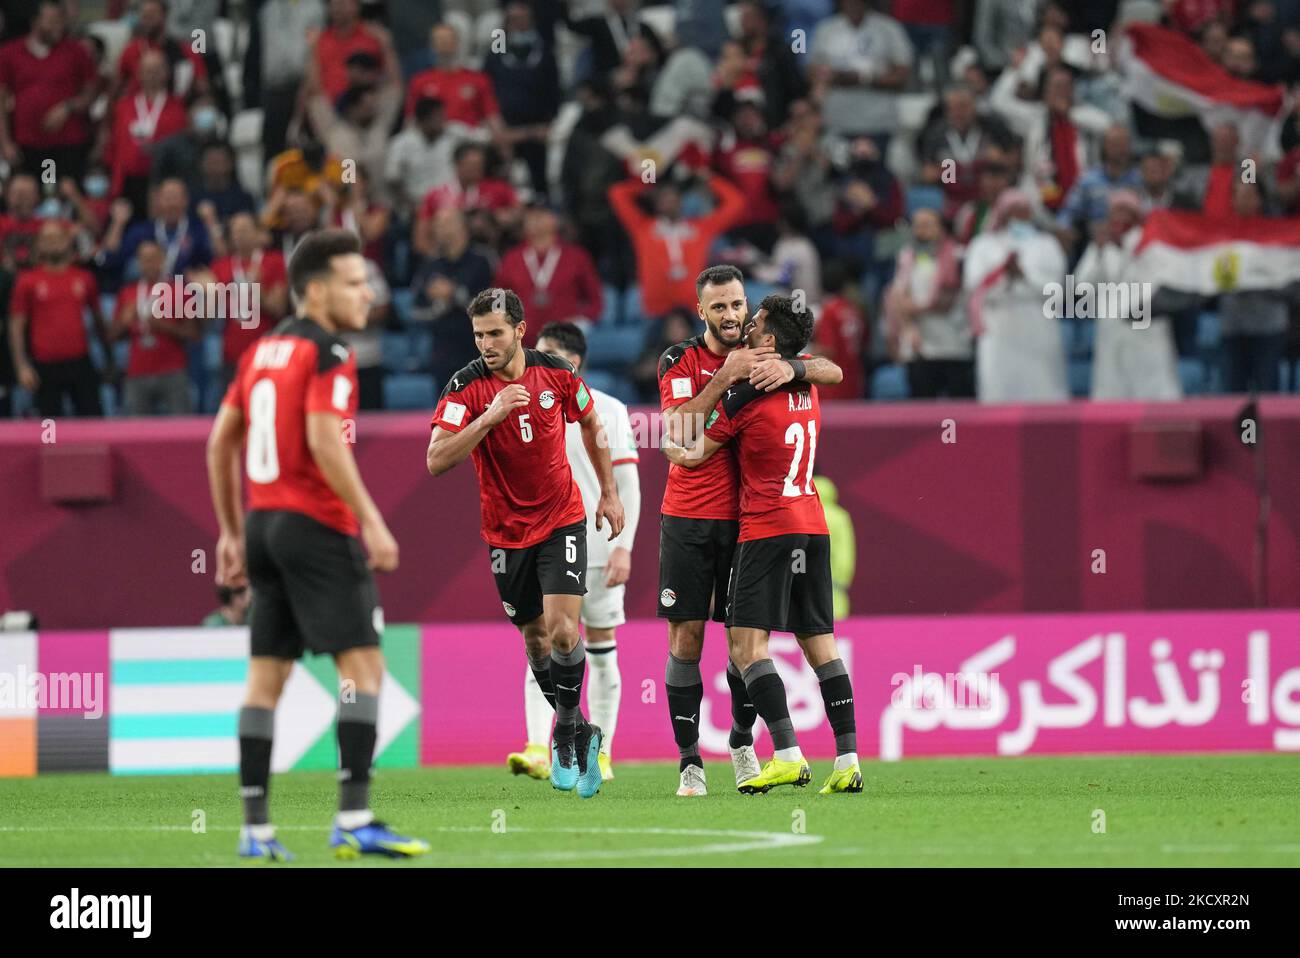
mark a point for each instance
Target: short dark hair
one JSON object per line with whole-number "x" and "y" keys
{"x": 464, "y": 149}
{"x": 718, "y": 276}
{"x": 492, "y": 298}
{"x": 427, "y": 106}
{"x": 568, "y": 336}
{"x": 792, "y": 328}
{"x": 312, "y": 259}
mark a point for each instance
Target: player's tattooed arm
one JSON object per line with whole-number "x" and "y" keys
{"x": 610, "y": 507}
{"x": 224, "y": 444}
{"x": 448, "y": 449}
{"x": 773, "y": 371}
{"x": 689, "y": 457}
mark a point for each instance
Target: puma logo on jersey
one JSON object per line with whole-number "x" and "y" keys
{"x": 683, "y": 718}
{"x": 341, "y": 351}
{"x": 708, "y": 372}
{"x": 577, "y": 576}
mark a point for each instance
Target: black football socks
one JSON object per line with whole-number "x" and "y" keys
{"x": 256, "y": 728}
{"x": 743, "y": 713}
{"x": 837, "y": 696}
{"x": 567, "y": 671}
{"x": 541, "y": 666}
{"x": 685, "y": 690}
{"x": 357, "y": 721}
{"x": 767, "y": 692}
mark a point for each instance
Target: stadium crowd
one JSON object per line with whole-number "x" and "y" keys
{"x": 916, "y": 170}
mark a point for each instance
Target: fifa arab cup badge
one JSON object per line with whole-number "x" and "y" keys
{"x": 546, "y": 400}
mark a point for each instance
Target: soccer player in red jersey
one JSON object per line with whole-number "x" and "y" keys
{"x": 292, "y": 394}
{"x": 699, "y": 525}
{"x": 508, "y": 410}
{"x": 781, "y": 577}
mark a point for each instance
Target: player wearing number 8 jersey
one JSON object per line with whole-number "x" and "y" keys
{"x": 781, "y": 575}
{"x": 508, "y": 410}
{"x": 311, "y": 587}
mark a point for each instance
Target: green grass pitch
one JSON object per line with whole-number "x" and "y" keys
{"x": 1181, "y": 810}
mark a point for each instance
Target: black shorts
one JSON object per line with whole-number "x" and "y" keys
{"x": 554, "y": 566}
{"x": 694, "y": 562}
{"x": 311, "y": 587}
{"x": 783, "y": 584}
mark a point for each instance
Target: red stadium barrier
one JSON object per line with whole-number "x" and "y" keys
{"x": 110, "y": 524}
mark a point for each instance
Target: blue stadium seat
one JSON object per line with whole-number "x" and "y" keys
{"x": 924, "y": 197}
{"x": 606, "y": 382}
{"x": 612, "y": 347}
{"x": 397, "y": 352}
{"x": 756, "y": 292}
{"x": 403, "y": 300}
{"x": 421, "y": 338}
{"x": 1192, "y": 374}
{"x": 890, "y": 382}
{"x": 408, "y": 391}
{"x": 1079, "y": 373}
{"x": 612, "y": 307}
{"x": 1207, "y": 331}
{"x": 212, "y": 350}
{"x": 633, "y": 311}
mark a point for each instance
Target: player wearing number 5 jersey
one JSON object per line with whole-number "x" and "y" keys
{"x": 287, "y": 406}
{"x": 781, "y": 574}
{"x": 508, "y": 410}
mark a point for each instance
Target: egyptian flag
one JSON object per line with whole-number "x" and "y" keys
{"x": 679, "y": 140}
{"x": 1209, "y": 255}
{"x": 1168, "y": 74}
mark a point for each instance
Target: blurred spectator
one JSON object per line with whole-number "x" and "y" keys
{"x": 1058, "y": 135}
{"x": 586, "y": 174}
{"x": 1088, "y": 200}
{"x": 20, "y": 223}
{"x": 1210, "y": 188}
{"x": 805, "y": 172}
{"x": 250, "y": 262}
{"x": 949, "y": 147}
{"x": 1020, "y": 354}
{"x": 1253, "y": 323}
{"x": 745, "y": 155}
{"x": 1156, "y": 177}
{"x": 868, "y": 198}
{"x": 555, "y": 280}
{"x": 47, "y": 83}
{"x": 333, "y": 64}
{"x": 140, "y": 122}
{"x": 352, "y": 207}
{"x": 47, "y": 310}
{"x": 1128, "y": 361}
{"x": 679, "y": 325}
{"x": 841, "y": 332}
{"x": 795, "y": 265}
{"x": 233, "y": 608}
{"x": 357, "y": 127}
{"x": 928, "y": 24}
{"x": 306, "y": 168}
{"x": 444, "y": 286}
{"x": 156, "y": 382}
{"x": 859, "y": 59}
{"x": 701, "y": 24}
{"x": 471, "y": 188}
{"x": 1001, "y": 28}
{"x": 609, "y": 34}
{"x": 183, "y": 69}
{"x": 283, "y": 31}
{"x": 924, "y": 317}
{"x": 182, "y": 236}
{"x": 466, "y": 94}
{"x": 178, "y": 155}
{"x": 1239, "y": 58}
{"x": 526, "y": 79}
{"x": 217, "y": 184}
{"x": 671, "y": 249}
{"x": 420, "y": 158}
{"x": 770, "y": 62}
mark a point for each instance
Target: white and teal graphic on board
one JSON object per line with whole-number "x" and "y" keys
{"x": 175, "y": 696}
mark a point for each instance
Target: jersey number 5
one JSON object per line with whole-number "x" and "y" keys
{"x": 263, "y": 459}
{"x": 525, "y": 428}
{"x": 795, "y": 435}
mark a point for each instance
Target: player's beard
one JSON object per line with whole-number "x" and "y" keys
{"x": 716, "y": 330}
{"x": 506, "y": 356}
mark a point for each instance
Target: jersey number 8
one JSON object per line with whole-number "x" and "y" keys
{"x": 263, "y": 458}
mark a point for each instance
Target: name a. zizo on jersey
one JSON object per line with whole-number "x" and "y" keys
{"x": 800, "y": 401}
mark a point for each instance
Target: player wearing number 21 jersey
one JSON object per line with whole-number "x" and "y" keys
{"x": 508, "y": 410}
{"x": 781, "y": 574}
{"x": 287, "y": 406}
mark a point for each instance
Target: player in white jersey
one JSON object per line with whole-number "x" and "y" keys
{"x": 608, "y": 566}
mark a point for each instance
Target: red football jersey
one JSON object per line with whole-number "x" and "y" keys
{"x": 54, "y": 302}
{"x": 711, "y": 491}
{"x": 153, "y": 350}
{"x": 296, "y": 369}
{"x": 526, "y": 488}
{"x": 776, "y": 438}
